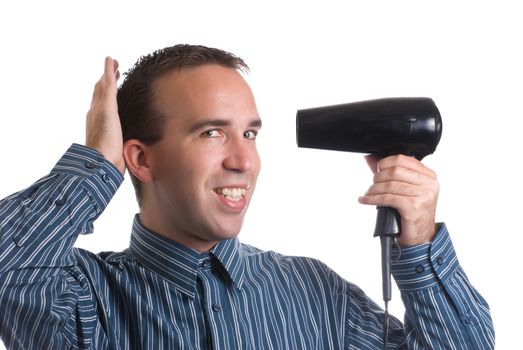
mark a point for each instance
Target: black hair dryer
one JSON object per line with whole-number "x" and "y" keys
{"x": 383, "y": 127}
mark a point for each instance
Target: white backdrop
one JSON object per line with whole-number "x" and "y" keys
{"x": 465, "y": 55}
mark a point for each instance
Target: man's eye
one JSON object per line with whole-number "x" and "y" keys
{"x": 211, "y": 133}
{"x": 250, "y": 134}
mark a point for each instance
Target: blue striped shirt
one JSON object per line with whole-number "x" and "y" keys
{"x": 158, "y": 294}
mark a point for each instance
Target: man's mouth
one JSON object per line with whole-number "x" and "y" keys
{"x": 231, "y": 193}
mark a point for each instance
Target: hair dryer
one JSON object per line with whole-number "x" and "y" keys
{"x": 383, "y": 127}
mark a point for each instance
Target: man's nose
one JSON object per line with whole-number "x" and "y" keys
{"x": 241, "y": 156}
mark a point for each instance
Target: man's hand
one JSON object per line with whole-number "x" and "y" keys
{"x": 404, "y": 183}
{"x": 103, "y": 130}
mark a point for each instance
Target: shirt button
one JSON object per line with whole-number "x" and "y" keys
{"x": 467, "y": 319}
{"x": 206, "y": 263}
{"x": 59, "y": 202}
{"x": 90, "y": 165}
{"x": 216, "y": 307}
{"x": 105, "y": 178}
{"x": 420, "y": 269}
{"x": 439, "y": 260}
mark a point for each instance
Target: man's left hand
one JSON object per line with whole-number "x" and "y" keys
{"x": 404, "y": 183}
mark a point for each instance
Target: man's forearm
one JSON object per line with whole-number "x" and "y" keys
{"x": 39, "y": 225}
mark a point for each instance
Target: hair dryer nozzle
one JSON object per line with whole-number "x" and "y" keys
{"x": 387, "y": 126}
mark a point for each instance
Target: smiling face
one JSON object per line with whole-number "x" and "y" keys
{"x": 204, "y": 169}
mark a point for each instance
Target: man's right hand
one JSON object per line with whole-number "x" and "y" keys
{"x": 103, "y": 129}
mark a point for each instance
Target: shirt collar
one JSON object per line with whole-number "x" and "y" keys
{"x": 179, "y": 264}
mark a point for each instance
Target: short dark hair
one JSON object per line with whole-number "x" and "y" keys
{"x": 138, "y": 116}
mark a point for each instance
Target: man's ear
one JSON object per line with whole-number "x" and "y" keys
{"x": 136, "y": 156}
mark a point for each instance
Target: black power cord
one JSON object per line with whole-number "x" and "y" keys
{"x": 386, "y": 260}
{"x": 386, "y": 327}
{"x": 387, "y": 228}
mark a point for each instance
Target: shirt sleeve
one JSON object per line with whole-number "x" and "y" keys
{"x": 41, "y": 288}
{"x": 443, "y": 310}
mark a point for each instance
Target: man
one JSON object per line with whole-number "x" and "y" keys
{"x": 184, "y": 123}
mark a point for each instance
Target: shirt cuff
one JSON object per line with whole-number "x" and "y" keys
{"x": 101, "y": 178}
{"x": 425, "y": 265}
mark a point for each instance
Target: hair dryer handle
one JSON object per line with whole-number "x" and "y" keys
{"x": 388, "y": 222}
{"x": 388, "y": 226}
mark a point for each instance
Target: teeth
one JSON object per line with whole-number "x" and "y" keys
{"x": 233, "y": 194}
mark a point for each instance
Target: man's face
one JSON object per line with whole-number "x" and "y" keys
{"x": 206, "y": 165}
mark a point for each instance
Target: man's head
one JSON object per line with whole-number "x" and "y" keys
{"x": 139, "y": 118}
{"x": 189, "y": 123}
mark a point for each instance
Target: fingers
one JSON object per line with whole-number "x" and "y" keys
{"x": 111, "y": 72}
{"x": 109, "y": 66}
{"x": 394, "y": 173}
{"x": 399, "y": 161}
{"x": 404, "y": 183}
{"x": 395, "y": 188}
{"x": 402, "y": 175}
{"x": 404, "y": 197}
{"x": 106, "y": 85}
{"x": 401, "y": 182}
{"x": 103, "y": 129}
{"x": 405, "y": 162}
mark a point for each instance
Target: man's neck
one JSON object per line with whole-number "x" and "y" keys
{"x": 179, "y": 236}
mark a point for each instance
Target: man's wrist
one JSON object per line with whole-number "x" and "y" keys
{"x": 424, "y": 265}
{"x": 101, "y": 178}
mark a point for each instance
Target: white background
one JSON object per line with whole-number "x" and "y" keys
{"x": 465, "y": 55}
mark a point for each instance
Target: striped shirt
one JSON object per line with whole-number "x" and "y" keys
{"x": 158, "y": 294}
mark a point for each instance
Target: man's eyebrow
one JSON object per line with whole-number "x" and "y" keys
{"x": 256, "y": 123}
{"x": 209, "y": 122}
